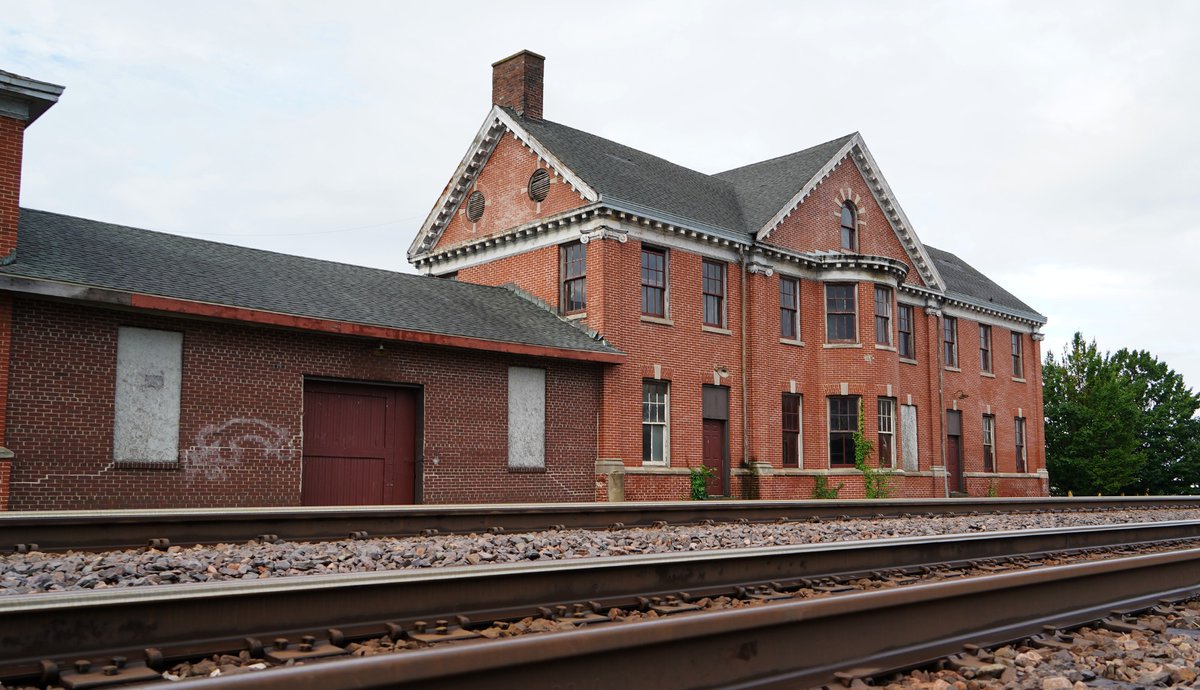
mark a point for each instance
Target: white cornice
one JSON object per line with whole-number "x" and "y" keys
{"x": 497, "y": 123}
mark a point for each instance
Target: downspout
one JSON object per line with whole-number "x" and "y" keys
{"x": 745, "y": 403}
{"x": 941, "y": 366}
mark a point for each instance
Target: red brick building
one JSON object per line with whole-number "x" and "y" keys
{"x": 766, "y": 311}
{"x": 140, "y": 369}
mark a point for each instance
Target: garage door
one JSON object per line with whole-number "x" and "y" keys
{"x": 359, "y": 444}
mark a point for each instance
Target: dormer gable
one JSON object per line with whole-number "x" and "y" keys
{"x": 499, "y": 164}
{"x": 823, "y": 179}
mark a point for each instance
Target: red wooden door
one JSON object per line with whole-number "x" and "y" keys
{"x": 359, "y": 445}
{"x": 714, "y": 455}
{"x": 954, "y": 462}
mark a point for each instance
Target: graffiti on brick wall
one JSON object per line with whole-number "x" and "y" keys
{"x": 221, "y": 448}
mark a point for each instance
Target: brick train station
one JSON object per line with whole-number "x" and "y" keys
{"x": 592, "y": 322}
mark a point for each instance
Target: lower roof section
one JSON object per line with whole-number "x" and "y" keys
{"x": 77, "y": 258}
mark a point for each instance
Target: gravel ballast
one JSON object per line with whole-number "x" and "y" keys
{"x": 37, "y": 572}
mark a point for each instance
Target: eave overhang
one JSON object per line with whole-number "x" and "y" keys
{"x": 259, "y": 317}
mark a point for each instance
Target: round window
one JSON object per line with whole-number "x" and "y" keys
{"x": 475, "y": 204}
{"x": 539, "y": 184}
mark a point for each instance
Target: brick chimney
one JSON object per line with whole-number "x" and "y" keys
{"x": 22, "y": 100}
{"x": 517, "y": 83}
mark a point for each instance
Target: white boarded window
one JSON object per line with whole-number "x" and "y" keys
{"x": 526, "y": 418}
{"x": 908, "y": 437}
{"x": 149, "y": 373}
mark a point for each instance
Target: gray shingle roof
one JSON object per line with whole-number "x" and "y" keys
{"x": 622, "y": 173}
{"x": 962, "y": 280}
{"x": 87, "y": 252}
{"x": 764, "y": 188}
{"x": 741, "y": 200}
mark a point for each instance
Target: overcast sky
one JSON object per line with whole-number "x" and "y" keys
{"x": 1053, "y": 145}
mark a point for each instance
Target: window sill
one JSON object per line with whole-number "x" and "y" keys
{"x": 905, "y": 360}
{"x": 842, "y": 346}
{"x": 657, "y": 320}
{"x": 576, "y": 316}
{"x": 146, "y": 464}
{"x": 715, "y": 329}
{"x": 889, "y": 348}
{"x": 789, "y": 341}
{"x": 954, "y": 369}
{"x": 988, "y": 374}
{"x": 1018, "y": 380}
{"x": 526, "y": 470}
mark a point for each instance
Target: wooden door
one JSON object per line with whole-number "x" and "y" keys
{"x": 954, "y": 459}
{"x": 359, "y": 445}
{"x": 954, "y": 462}
{"x": 714, "y": 455}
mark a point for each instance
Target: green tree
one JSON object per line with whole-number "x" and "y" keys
{"x": 1166, "y": 428}
{"x": 1120, "y": 423}
{"x": 1091, "y": 446}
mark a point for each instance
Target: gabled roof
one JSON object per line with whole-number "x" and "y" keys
{"x": 76, "y": 251}
{"x": 744, "y": 204}
{"x": 764, "y": 188}
{"x": 965, "y": 283}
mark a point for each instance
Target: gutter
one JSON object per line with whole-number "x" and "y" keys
{"x": 173, "y": 305}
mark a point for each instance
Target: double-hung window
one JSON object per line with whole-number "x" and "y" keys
{"x": 989, "y": 443}
{"x": 573, "y": 272}
{"x": 656, "y": 421}
{"x": 843, "y": 422}
{"x": 1018, "y": 360}
{"x": 1019, "y": 437}
{"x": 950, "y": 341}
{"x": 840, "y": 311}
{"x": 985, "y": 348}
{"x": 908, "y": 341}
{"x": 654, "y": 282}
{"x": 789, "y": 308}
{"x": 883, "y": 315}
{"x": 887, "y": 432}
{"x": 791, "y": 430}
{"x": 714, "y": 293}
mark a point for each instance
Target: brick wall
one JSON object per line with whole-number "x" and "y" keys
{"x": 241, "y": 411}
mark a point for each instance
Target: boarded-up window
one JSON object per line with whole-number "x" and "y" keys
{"x": 146, "y": 418}
{"x": 908, "y": 436}
{"x": 526, "y": 418}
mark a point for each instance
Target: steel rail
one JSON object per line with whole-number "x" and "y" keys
{"x": 114, "y": 529}
{"x": 187, "y": 620}
{"x": 785, "y": 645}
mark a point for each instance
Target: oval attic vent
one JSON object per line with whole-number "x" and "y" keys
{"x": 539, "y": 184}
{"x": 475, "y": 204}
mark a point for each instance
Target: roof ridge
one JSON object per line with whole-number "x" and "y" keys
{"x": 842, "y": 139}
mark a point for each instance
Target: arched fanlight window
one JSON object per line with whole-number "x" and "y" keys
{"x": 849, "y": 227}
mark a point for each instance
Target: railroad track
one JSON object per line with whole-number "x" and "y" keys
{"x": 791, "y": 641}
{"x": 119, "y": 529}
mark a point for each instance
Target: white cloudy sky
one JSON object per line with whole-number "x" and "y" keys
{"x": 1054, "y": 145}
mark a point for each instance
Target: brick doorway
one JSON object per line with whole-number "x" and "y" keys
{"x": 359, "y": 444}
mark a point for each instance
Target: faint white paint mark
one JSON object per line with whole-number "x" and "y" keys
{"x": 219, "y": 448}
